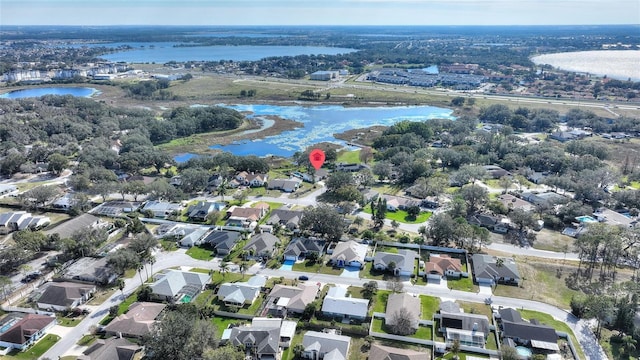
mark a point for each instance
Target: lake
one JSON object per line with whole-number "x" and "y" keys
{"x": 165, "y": 52}
{"x": 616, "y": 64}
{"x": 37, "y": 92}
{"x": 320, "y": 123}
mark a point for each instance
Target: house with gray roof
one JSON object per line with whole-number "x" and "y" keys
{"x": 138, "y": 321}
{"x": 325, "y": 346}
{"x": 287, "y": 328}
{"x": 262, "y": 343}
{"x": 492, "y": 270}
{"x": 161, "y": 209}
{"x": 527, "y": 333}
{"x": 337, "y": 305}
{"x": 20, "y": 220}
{"x": 410, "y": 304}
{"x": 175, "y": 285}
{"x": 111, "y": 349}
{"x": 380, "y": 352}
{"x": 299, "y": 248}
{"x": 545, "y": 198}
{"x": 285, "y": 217}
{"x": 349, "y": 253}
{"x": 191, "y": 235}
{"x": 400, "y": 264}
{"x": 200, "y": 210}
{"x": 80, "y": 223}
{"x": 283, "y": 299}
{"x": 90, "y": 270}
{"x": 61, "y": 296}
{"x": 222, "y": 241}
{"x": 239, "y": 294}
{"x": 261, "y": 245}
{"x": 285, "y": 185}
{"x": 469, "y": 329}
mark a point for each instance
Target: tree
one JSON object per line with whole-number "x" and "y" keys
{"x": 120, "y": 284}
{"x": 474, "y": 195}
{"x": 505, "y": 182}
{"x": 455, "y": 348}
{"x": 509, "y": 353}
{"x": 310, "y": 310}
{"x": 602, "y": 309}
{"x": 402, "y": 322}
{"x": 30, "y": 240}
{"x": 123, "y": 259}
{"x": 134, "y": 188}
{"x": 103, "y": 188}
{"x": 39, "y": 195}
{"x": 228, "y": 352}
{"x": 366, "y": 154}
{"x": 395, "y": 225}
{"x": 441, "y": 229}
{"x": 194, "y": 179}
{"x": 5, "y": 281}
{"x": 628, "y": 345}
{"x": 369, "y": 289}
{"x": 324, "y": 220}
{"x": 57, "y": 163}
{"x": 395, "y": 285}
{"x": 380, "y": 213}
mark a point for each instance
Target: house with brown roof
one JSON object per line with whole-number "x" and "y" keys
{"x": 442, "y": 265}
{"x": 111, "y": 349}
{"x": 399, "y": 302}
{"x": 512, "y": 202}
{"x": 245, "y": 217}
{"x": 138, "y": 321}
{"x": 61, "y": 296}
{"x": 26, "y": 330}
{"x": 379, "y": 352}
{"x": 283, "y": 299}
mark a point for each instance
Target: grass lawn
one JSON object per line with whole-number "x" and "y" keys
{"x": 297, "y": 339}
{"x": 349, "y": 157}
{"x": 101, "y": 295}
{"x": 129, "y": 273}
{"x": 556, "y": 324}
{"x": 380, "y": 301}
{"x": 370, "y": 273}
{"x": 200, "y": 253}
{"x": 36, "y": 350}
{"x": 87, "y": 340}
{"x": 316, "y": 268}
{"x": 68, "y": 322}
{"x": 492, "y": 343}
{"x": 377, "y": 324}
{"x": 423, "y": 332}
{"x": 464, "y": 284}
{"x": 222, "y": 323}
{"x": 272, "y": 205}
{"x": 356, "y": 349}
{"x": 461, "y": 356}
{"x": 475, "y": 308}
{"x": 228, "y": 277}
{"x": 614, "y": 349}
{"x": 168, "y": 245}
{"x": 253, "y": 308}
{"x": 402, "y": 216}
{"x": 430, "y": 306}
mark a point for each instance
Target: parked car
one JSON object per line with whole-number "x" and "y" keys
{"x": 303, "y": 277}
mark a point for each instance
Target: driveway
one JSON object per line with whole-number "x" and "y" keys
{"x": 351, "y": 272}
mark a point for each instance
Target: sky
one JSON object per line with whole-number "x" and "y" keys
{"x": 319, "y": 12}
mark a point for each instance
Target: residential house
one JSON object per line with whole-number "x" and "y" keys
{"x": 283, "y": 299}
{"x": 349, "y": 254}
{"x": 261, "y": 246}
{"x": 512, "y": 202}
{"x": 495, "y": 171}
{"x": 83, "y": 222}
{"x": 23, "y": 331}
{"x": 400, "y": 264}
{"x": 300, "y": 248}
{"x": 615, "y": 218}
{"x": 90, "y": 270}
{"x": 137, "y": 322}
{"x": 245, "y": 218}
{"x": 395, "y": 203}
{"x": 20, "y": 220}
{"x": 546, "y": 198}
{"x": 239, "y": 294}
{"x": 285, "y": 185}
{"x": 469, "y": 329}
{"x": 431, "y": 202}
{"x": 262, "y": 343}
{"x": 191, "y": 236}
{"x": 399, "y": 301}
{"x": 350, "y": 167}
{"x": 337, "y": 305}
{"x": 176, "y": 285}
{"x": 531, "y": 334}
{"x": 222, "y": 241}
{"x": 161, "y": 209}
{"x": 443, "y": 265}
{"x": 325, "y": 345}
{"x": 61, "y": 296}
{"x": 501, "y": 226}
{"x": 65, "y": 202}
{"x": 115, "y": 208}
{"x": 290, "y": 219}
{"x": 200, "y": 210}
{"x": 491, "y": 270}
{"x": 286, "y": 328}
{"x": 380, "y": 352}
{"x": 111, "y": 349}
{"x": 251, "y": 179}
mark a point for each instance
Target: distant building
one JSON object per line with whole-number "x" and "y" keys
{"x": 324, "y": 75}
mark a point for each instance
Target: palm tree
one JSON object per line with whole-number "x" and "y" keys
{"x": 120, "y": 284}
{"x": 222, "y": 189}
{"x": 151, "y": 260}
{"x": 455, "y": 348}
{"x": 140, "y": 267}
{"x": 224, "y": 267}
{"x": 243, "y": 268}
{"x": 4, "y": 281}
{"x": 628, "y": 345}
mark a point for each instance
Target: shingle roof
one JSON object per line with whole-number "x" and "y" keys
{"x": 326, "y": 342}
{"x": 299, "y": 297}
{"x": 440, "y": 264}
{"x": 349, "y": 251}
{"x": 485, "y": 266}
{"x": 528, "y": 331}
{"x": 463, "y": 321}
{"x": 345, "y": 305}
{"x": 379, "y": 352}
{"x": 80, "y": 223}
{"x": 24, "y": 328}
{"x": 64, "y": 293}
{"x": 173, "y": 281}
{"x": 285, "y": 217}
{"x": 266, "y": 340}
{"x": 138, "y": 321}
{"x": 404, "y": 259}
{"x": 509, "y": 314}
{"x": 111, "y": 349}
{"x": 398, "y": 301}
{"x": 298, "y": 246}
{"x": 261, "y": 243}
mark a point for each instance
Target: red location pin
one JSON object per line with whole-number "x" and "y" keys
{"x": 317, "y": 158}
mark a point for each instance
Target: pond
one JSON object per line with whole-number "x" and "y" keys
{"x": 37, "y": 92}
{"x": 320, "y": 123}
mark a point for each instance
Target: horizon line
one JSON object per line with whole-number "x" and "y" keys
{"x": 303, "y": 25}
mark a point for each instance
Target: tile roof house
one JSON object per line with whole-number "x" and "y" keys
{"x": 26, "y": 331}
{"x": 530, "y": 334}
{"x": 336, "y": 304}
{"x": 380, "y": 352}
{"x": 260, "y": 342}
{"x": 138, "y": 321}
{"x": 469, "y": 329}
{"x": 61, "y": 296}
{"x": 111, "y": 349}
{"x": 401, "y": 264}
{"x": 240, "y": 293}
{"x": 442, "y": 265}
{"x": 349, "y": 253}
{"x": 222, "y": 241}
{"x": 287, "y": 218}
{"x": 489, "y": 270}
{"x": 261, "y": 245}
{"x": 327, "y": 346}
{"x": 300, "y": 247}
{"x": 174, "y": 285}
{"x": 399, "y": 301}
{"x": 291, "y": 299}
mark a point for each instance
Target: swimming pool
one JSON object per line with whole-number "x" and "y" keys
{"x": 287, "y": 265}
{"x": 524, "y": 351}
{"x": 586, "y": 219}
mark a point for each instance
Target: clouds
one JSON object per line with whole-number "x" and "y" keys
{"x": 317, "y": 12}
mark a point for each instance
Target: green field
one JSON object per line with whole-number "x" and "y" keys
{"x": 200, "y": 253}
{"x": 36, "y": 350}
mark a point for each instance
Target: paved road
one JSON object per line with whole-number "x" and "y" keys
{"x": 67, "y": 345}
